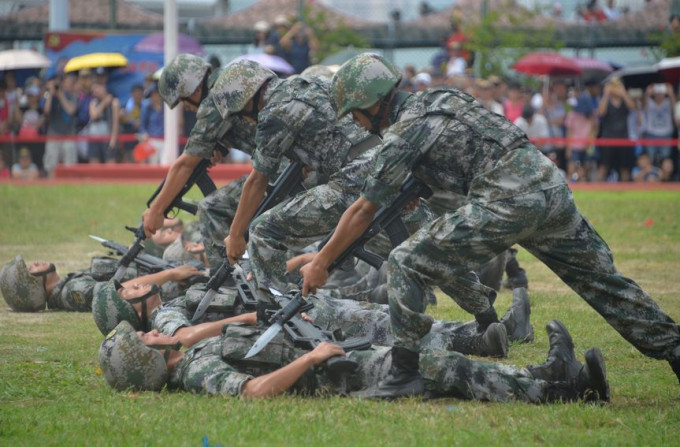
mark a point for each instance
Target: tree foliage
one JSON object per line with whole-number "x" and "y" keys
{"x": 331, "y": 38}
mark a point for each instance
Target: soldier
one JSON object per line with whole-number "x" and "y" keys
{"x": 30, "y": 288}
{"x": 514, "y": 195}
{"x": 132, "y": 360}
{"x": 190, "y": 80}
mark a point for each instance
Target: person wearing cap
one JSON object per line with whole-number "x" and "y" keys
{"x": 422, "y": 81}
{"x": 658, "y": 119}
{"x": 298, "y": 46}
{"x": 24, "y": 168}
{"x": 29, "y": 288}
{"x": 151, "y": 124}
{"x": 447, "y": 140}
{"x": 260, "y": 37}
{"x": 137, "y": 361}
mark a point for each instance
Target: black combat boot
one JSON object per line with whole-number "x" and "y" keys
{"x": 561, "y": 364}
{"x": 403, "y": 379}
{"x": 516, "y": 319}
{"x": 517, "y": 276}
{"x": 494, "y": 341}
{"x": 675, "y": 365}
{"x": 589, "y": 384}
{"x": 484, "y": 319}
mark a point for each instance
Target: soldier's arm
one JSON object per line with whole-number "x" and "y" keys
{"x": 253, "y": 192}
{"x": 176, "y": 274}
{"x": 279, "y": 381}
{"x": 190, "y": 335}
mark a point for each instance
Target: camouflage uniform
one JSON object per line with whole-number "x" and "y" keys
{"x": 514, "y": 195}
{"x": 216, "y": 366}
{"x": 309, "y": 217}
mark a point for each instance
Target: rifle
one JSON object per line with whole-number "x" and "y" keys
{"x": 146, "y": 262}
{"x": 287, "y": 184}
{"x": 388, "y": 218}
{"x": 198, "y": 177}
{"x": 307, "y": 335}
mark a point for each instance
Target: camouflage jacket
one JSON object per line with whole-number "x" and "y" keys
{"x": 452, "y": 143}
{"x": 298, "y": 122}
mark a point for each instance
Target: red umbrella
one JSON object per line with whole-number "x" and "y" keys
{"x": 551, "y": 64}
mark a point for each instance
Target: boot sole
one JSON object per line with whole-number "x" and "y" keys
{"x": 598, "y": 377}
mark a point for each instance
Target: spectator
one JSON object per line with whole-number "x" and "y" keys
{"x": 84, "y": 89}
{"x": 514, "y": 104}
{"x": 533, "y": 124}
{"x": 500, "y": 91}
{"x": 32, "y": 122}
{"x": 613, "y": 111}
{"x": 422, "y": 81}
{"x": 4, "y": 170}
{"x": 484, "y": 94}
{"x": 152, "y": 124}
{"x": 408, "y": 78}
{"x": 261, "y": 30}
{"x": 129, "y": 119}
{"x": 456, "y": 35}
{"x": 61, "y": 104}
{"x": 104, "y": 121}
{"x": 658, "y": 116}
{"x": 555, "y": 106}
{"x": 281, "y": 26}
{"x": 456, "y": 64}
{"x": 9, "y": 116}
{"x": 298, "y": 45}
{"x": 214, "y": 62}
{"x": 645, "y": 171}
{"x": 580, "y": 127}
{"x": 611, "y": 12}
{"x": 592, "y": 13}
{"x": 24, "y": 168}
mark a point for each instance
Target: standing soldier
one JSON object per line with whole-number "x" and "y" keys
{"x": 514, "y": 195}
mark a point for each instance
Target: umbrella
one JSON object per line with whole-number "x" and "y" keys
{"x": 636, "y": 77}
{"x": 670, "y": 69}
{"x": 155, "y": 43}
{"x": 95, "y": 60}
{"x": 551, "y": 64}
{"x": 22, "y": 59}
{"x": 343, "y": 56}
{"x": 270, "y": 61}
{"x": 593, "y": 68}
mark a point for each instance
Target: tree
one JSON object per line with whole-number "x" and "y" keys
{"x": 331, "y": 40}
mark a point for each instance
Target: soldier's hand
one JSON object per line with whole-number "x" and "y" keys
{"x": 236, "y": 246}
{"x": 152, "y": 222}
{"x": 298, "y": 261}
{"x": 413, "y": 204}
{"x": 216, "y": 158}
{"x": 183, "y": 272}
{"x": 323, "y": 352}
{"x": 314, "y": 277}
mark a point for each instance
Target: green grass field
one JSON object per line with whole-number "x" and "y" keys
{"x": 51, "y": 392}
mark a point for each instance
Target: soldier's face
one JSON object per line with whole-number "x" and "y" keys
{"x": 361, "y": 119}
{"x": 155, "y": 338}
{"x": 37, "y": 267}
{"x": 138, "y": 290}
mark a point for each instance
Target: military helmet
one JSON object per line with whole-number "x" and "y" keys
{"x": 127, "y": 363}
{"x": 317, "y": 71}
{"x": 181, "y": 77}
{"x": 22, "y": 291}
{"x": 363, "y": 81}
{"x": 237, "y": 84}
{"x": 109, "y": 309}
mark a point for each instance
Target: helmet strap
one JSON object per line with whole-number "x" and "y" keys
{"x": 380, "y": 115}
{"x": 255, "y": 109}
{"x": 142, "y": 299}
{"x": 50, "y": 269}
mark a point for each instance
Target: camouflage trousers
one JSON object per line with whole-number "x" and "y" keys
{"x": 304, "y": 220}
{"x": 215, "y": 214}
{"x": 549, "y": 226}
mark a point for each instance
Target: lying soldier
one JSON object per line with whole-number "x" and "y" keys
{"x": 138, "y": 361}
{"x": 31, "y": 288}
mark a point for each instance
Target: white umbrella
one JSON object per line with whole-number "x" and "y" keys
{"x": 22, "y": 59}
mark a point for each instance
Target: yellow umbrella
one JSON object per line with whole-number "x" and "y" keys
{"x": 95, "y": 60}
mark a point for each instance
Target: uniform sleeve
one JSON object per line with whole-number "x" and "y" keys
{"x": 395, "y": 157}
{"x": 276, "y": 133}
{"x": 210, "y": 374}
{"x": 204, "y": 135}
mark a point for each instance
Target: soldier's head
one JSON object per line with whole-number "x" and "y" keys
{"x": 113, "y": 303}
{"x": 185, "y": 79}
{"x": 169, "y": 232}
{"x": 131, "y": 360}
{"x": 25, "y": 288}
{"x": 364, "y": 86}
{"x": 237, "y": 90}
